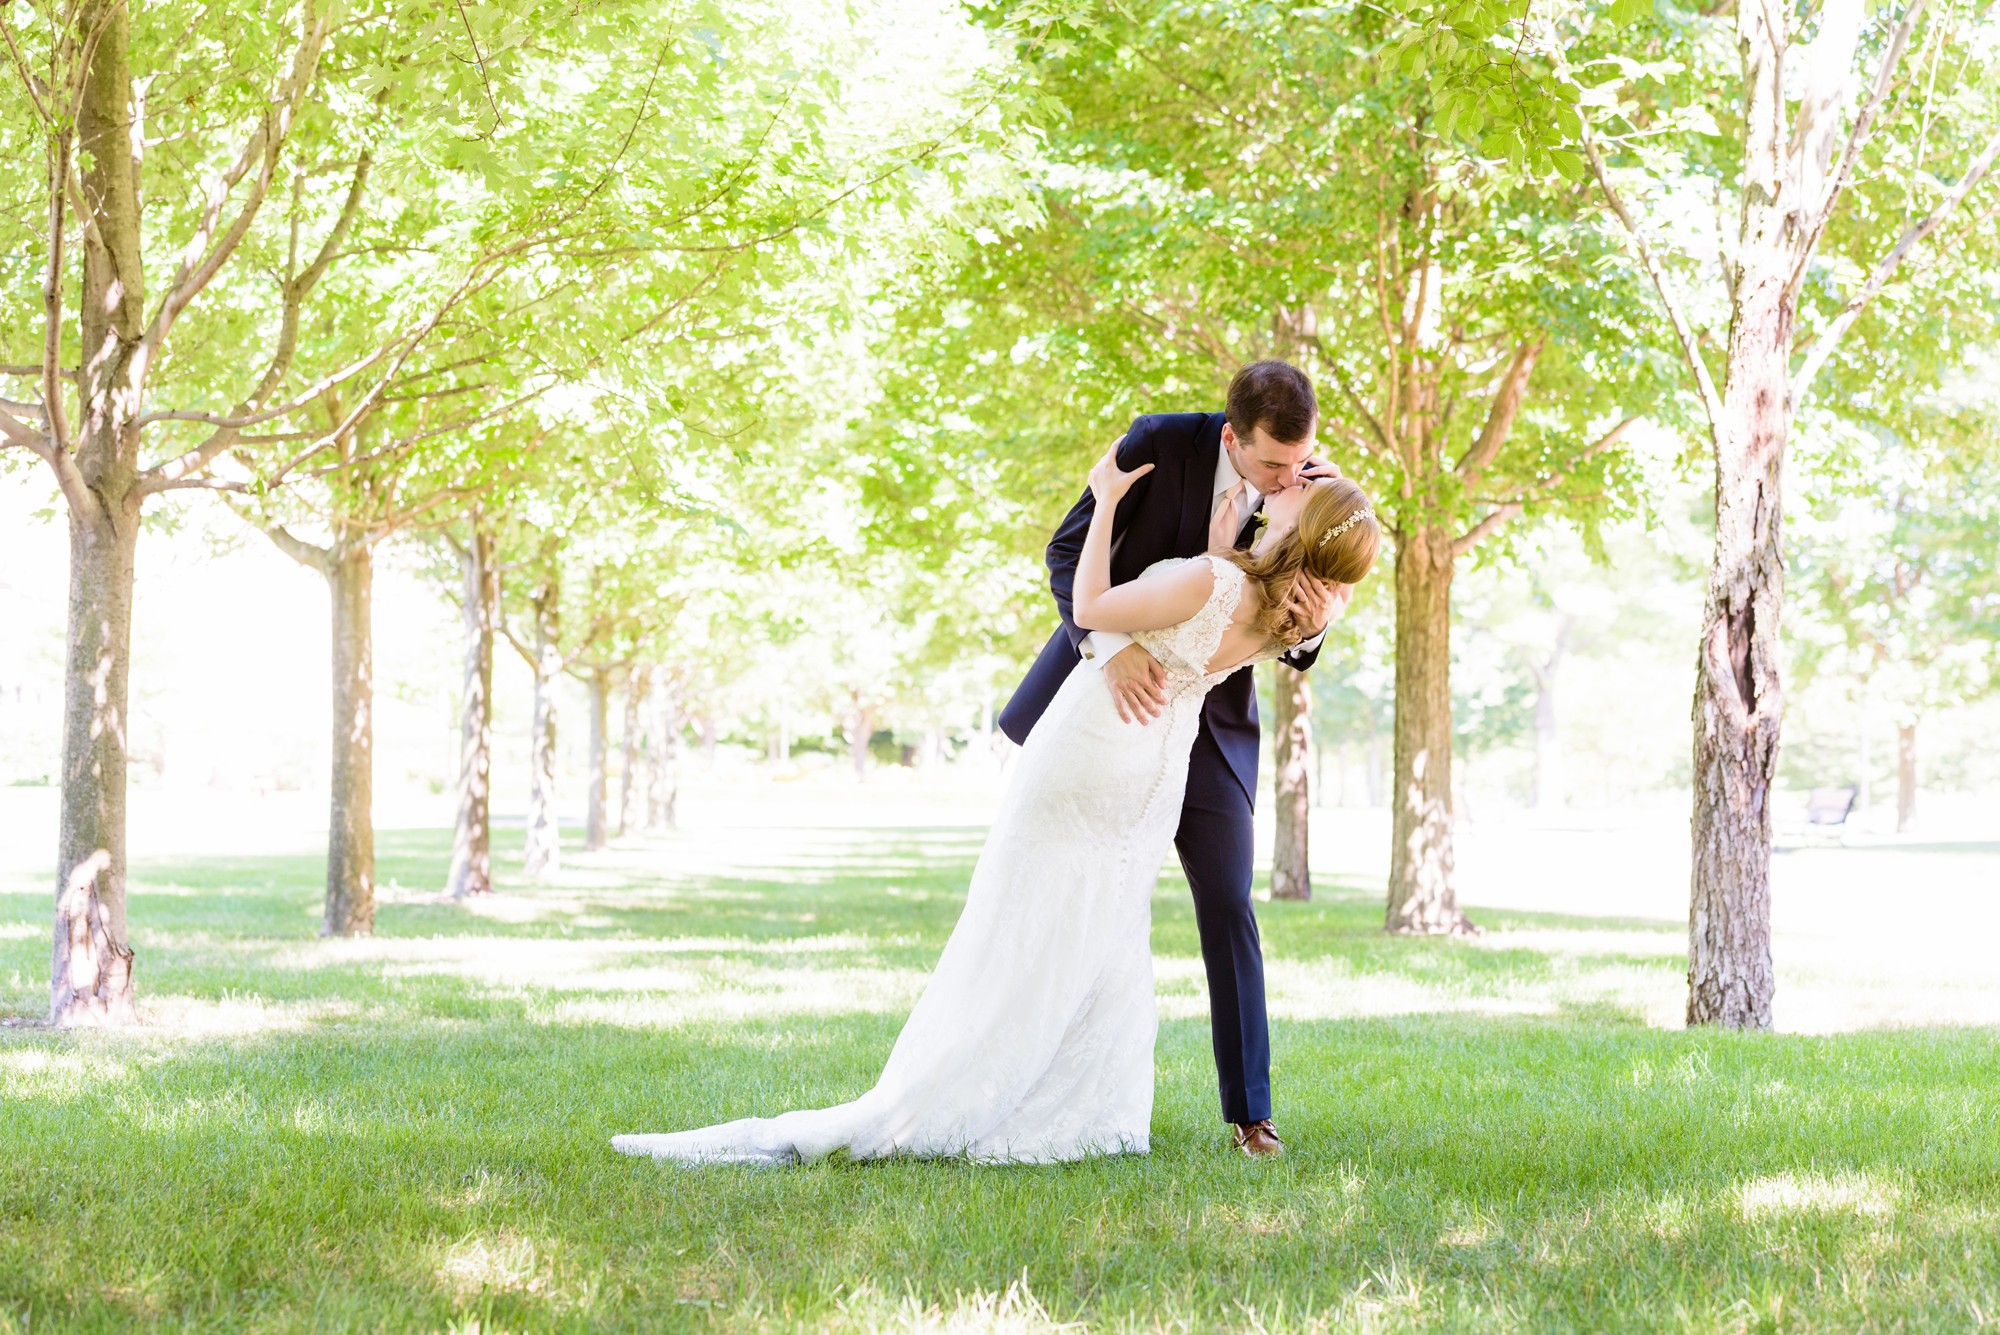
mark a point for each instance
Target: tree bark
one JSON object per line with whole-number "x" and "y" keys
{"x": 90, "y": 977}
{"x": 472, "y": 840}
{"x": 1863, "y": 780}
{"x": 1549, "y": 779}
{"x": 91, "y": 959}
{"x": 1422, "y": 897}
{"x": 628, "y": 774}
{"x": 544, "y": 845}
{"x": 1739, "y": 700}
{"x": 860, "y": 724}
{"x": 663, "y": 796}
{"x": 350, "y": 848}
{"x": 1906, "y": 777}
{"x": 599, "y": 682}
{"x": 1290, "y": 876}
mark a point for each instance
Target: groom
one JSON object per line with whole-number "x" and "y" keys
{"x": 1211, "y": 473}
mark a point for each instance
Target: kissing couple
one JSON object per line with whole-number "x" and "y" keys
{"x": 1206, "y": 543}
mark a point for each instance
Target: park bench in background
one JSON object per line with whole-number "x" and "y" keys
{"x": 1827, "y": 810}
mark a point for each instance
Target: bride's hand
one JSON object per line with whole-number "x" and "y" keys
{"x": 1108, "y": 482}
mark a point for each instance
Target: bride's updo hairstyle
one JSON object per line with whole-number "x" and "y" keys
{"x": 1336, "y": 540}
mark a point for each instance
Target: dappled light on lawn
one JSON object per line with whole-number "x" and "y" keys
{"x": 1479, "y": 1129}
{"x": 1818, "y": 1193}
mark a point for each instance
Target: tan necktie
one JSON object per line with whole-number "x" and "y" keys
{"x": 1222, "y": 525}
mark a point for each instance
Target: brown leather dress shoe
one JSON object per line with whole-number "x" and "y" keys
{"x": 1259, "y": 1140}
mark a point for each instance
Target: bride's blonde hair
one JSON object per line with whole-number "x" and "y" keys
{"x": 1337, "y": 538}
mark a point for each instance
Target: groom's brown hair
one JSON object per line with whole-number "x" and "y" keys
{"x": 1276, "y": 396}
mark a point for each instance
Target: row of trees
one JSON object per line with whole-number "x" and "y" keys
{"x": 477, "y": 259}
{"x": 632, "y": 307}
{"x": 1498, "y": 235}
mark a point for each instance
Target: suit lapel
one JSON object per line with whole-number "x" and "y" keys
{"x": 1198, "y": 490}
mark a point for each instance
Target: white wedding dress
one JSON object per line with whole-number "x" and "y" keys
{"x": 1033, "y": 1041}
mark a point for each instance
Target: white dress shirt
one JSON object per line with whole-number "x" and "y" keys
{"x": 1100, "y": 646}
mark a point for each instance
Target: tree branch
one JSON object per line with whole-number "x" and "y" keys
{"x": 52, "y": 296}
{"x": 82, "y": 500}
{"x": 201, "y": 260}
{"x": 1823, "y": 347}
{"x": 167, "y": 474}
{"x": 202, "y": 484}
{"x": 1353, "y": 399}
{"x": 526, "y": 651}
{"x": 477, "y": 419}
{"x": 1500, "y": 418}
{"x": 1857, "y": 138}
{"x": 1711, "y": 400}
{"x": 314, "y": 558}
{"x": 1548, "y": 484}
{"x": 1495, "y": 517}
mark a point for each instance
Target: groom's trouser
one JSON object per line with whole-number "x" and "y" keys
{"x": 1216, "y": 847}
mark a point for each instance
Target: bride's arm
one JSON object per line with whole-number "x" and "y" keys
{"x": 1152, "y": 603}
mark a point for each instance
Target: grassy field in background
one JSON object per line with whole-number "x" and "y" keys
{"x": 410, "y": 1132}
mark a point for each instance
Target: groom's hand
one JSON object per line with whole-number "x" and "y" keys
{"x": 1138, "y": 684}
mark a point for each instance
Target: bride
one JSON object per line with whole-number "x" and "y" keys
{"x": 1033, "y": 1041}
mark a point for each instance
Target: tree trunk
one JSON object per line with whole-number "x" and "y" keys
{"x": 544, "y": 847}
{"x": 1549, "y": 783}
{"x": 628, "y": 775}
{"x": 90, "y": 978}
{"x": 1906, "y": 777}
{"x": 599, "y": 682}
{"x": 1738, "y": 699}
{"x": 1863, "y": 780}
{"x": 664, "y": 792}
{"x": 350, "y": 839}
{"x": 472, "y": 841}
{"x": 710, "y": 737}
{"x": 90, "y": 975}
{"x": 1422, "y": 897}
{"x": 860, "y": 727}
{"x": 1372, "y": 765}
{"x": 1290, "y": 878}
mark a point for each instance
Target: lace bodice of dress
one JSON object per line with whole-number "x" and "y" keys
{"x": 1184, "y": 650}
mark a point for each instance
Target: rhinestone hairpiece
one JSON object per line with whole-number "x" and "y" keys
{"x": 1345, "y": 525}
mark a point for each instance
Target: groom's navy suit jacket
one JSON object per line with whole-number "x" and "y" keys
{"x": 1165, "y": 514}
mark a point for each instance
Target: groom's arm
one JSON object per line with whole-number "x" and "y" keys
{"x": 1316, "y": 604}
{"x": 1138, "y": 446}
{"x": 1304, "y": 654}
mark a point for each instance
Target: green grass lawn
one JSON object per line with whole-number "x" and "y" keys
{"x": 411, "y": 1133}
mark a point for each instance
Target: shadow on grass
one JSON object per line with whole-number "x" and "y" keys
{"x": 390, "y": 1144}
{"x": 413, "y": 1175}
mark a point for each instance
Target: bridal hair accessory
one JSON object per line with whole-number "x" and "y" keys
{"x": 1345, "y": 525}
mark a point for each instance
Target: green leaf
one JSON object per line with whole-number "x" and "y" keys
{"x": 1569, "y": 164}
{"x": 1625, "y": 13}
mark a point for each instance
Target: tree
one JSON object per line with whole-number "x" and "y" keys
{"x": 1834, "y": 153}
{"x": 1230, "y": 187}
{"x": 82, "y": 110}
{"x": 1291, "y": 872}
{"x": 1807, "y": 144}
{"x": 496, "y": 148}
{"x": 1905, "y": 575}
{"x": 471, "y": 871}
